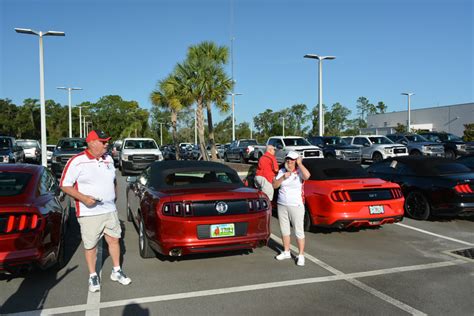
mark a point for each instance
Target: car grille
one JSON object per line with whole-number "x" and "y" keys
{"x": 399, "y": 150}
{"x": 351, "y": 153}
{"x": 373, "y": 195}
{"x": 208, "y": 208}
{"x": 142, "y": 158}
{"x": 311, "y": 153}
{"x": 204, "y": 231}
{"x": 435, "y": 149}
{"x": 65, "y": 158}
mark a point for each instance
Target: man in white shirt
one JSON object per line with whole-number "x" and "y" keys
{"x": 89, "y": 178}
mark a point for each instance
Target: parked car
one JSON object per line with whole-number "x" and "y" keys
{"x": 468, "y": 161}
{"x": 417, "y": 145}
{"x": 115, "y": 151}
{"x": 454, "y": 146}
{"x": 377, "y": 147}
{"x": 285, "y": 144}
{"x": 49, "y": 153}
{"x": 10, "y": 151}
{"x": 240, "y": 150}
{"x": 335, "y": 147}
{"x": 32, "y": 150}
{"x": 222, "y": 149}
{"x": 431, "y": 186}
{"x": 169, "y": 152}
{"x": 65, "y": 150}
{"x": 185, "y": 207}
{"x": 32, "y": 220}
{"x": 137, "y": 154}
{"x": 342, "y": 194}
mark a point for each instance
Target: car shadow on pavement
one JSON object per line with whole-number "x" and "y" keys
{"x": 199, "y": 256}
{"x": 36, "y": 285}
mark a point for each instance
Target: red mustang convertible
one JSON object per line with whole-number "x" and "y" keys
{"x": 185, "y": 207}
{"x": 32, "y": 219}
{"x": 341, "y": 194}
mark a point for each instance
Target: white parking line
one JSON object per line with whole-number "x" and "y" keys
{"x": 436, "y": 235}
{"x": 357, "y": 283}
{"x": 254, "y": 287}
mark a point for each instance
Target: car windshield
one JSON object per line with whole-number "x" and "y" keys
{"x": 13, "y": 183}
{"x": 201, "y": 178}
{"x": 416, "y": 138}
{"x": 140, "y": 144}
{"x": 50, "y": 148}
{"x": 28, "y": 144}
{"x": 5, "y": 143}
{"x": 453, "y": 138}
{"x": 69, "y": 144}
{"x": 249, "y": 142}
{"x": 297, "y": 141}
{"x": 380, "y": 140}
{"x": 334, "y": 141}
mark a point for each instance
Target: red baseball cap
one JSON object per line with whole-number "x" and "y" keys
{"x": 97, "y": 134}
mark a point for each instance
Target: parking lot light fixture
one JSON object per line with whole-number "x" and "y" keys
{"x": 233, "y": 113}
{"x": 80, "y": 119}
{"x": 40, "y": 34}
{"x": 409, "y": 94}
{"x": 70, "y": 106}
{"x": 321, "y": 114}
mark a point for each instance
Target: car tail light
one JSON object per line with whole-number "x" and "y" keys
{"x": 396, "y": 193}
{"x": 178, "y": 209}
{"x": 15, "y": 223}
{"x": 258, "y": 205}
{"x": 341, "y": 196}
{"x": 463, "y": 188}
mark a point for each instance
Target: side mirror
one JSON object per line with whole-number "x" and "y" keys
{"x": 131, "y": 179}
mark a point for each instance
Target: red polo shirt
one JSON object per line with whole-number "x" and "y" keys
{"x": 267, "y": 167}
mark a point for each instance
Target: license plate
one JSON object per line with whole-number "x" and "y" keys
{"x": 222, "y": 230}
{"x": 376, "y": 209}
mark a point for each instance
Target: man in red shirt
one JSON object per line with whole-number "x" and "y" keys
{"x": 266, "y": 171}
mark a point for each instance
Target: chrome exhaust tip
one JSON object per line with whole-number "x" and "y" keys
{"x": 175, "y": 252}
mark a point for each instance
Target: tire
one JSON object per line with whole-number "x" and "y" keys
{"x": 308, "y": 223}
{"x": 225, "y": 158}
{"x": 450, "y": 154}
{"x": 415, "y": 153}
{"x": 129, "y": 213}
{"x": 123, "y": 172}
{"x": 417, "y": 206}
{"x": 377, "y": 157}
{"x": 143, "y": 243}
{"x": 61, "y": 255}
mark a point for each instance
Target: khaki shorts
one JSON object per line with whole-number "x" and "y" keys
{"x": 94, "y": 227}
{"x": 266, "y": 187}
{"x": 293, "y": 214}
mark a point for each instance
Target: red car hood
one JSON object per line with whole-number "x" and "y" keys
{"x": 210, "y": 193}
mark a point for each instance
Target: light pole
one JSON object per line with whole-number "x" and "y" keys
{"x": 409, "y": 94}
{"x": 42, "y": 102}
{"x": 70, "y": 106}
{"x": 80, "y": 120}
{"x": 321, "y": 114}
{"x": 233, "y": 113}
{"x": 283, "y": 119}
{"x": 161, "y": 133}
{"x": 84, "y": 124}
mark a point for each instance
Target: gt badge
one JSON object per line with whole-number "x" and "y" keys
{"x": 221, "y": 207}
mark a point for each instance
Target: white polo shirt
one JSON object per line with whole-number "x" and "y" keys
{"x": 91, "y": 176}
{"x": 291, "y": 189}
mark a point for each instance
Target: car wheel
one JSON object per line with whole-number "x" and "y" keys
{"x": 377, "y": 157}
{"x": 307, "y": 221}
{"x": 242, "y": 159}
{"x": 417, "y": 206}
{"x": 61, "y": 254}
{"x": 330, "y": 156}
{"x": 225, "y": 158}
{"x": 123, "y": 172}
{"x": 449, "y": 154}
{"x": 143, "y": 243}
{"x": 415, "y": 153}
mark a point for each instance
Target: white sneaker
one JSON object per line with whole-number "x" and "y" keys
{"x": 120, "y": 277}
{"x": 94, "y": 284}
{"x": 300, "y": 261}
{"x": 284, "y": 255}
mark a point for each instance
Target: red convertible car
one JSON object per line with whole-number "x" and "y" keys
{"x": 342, "y": 194}
{"x": 185, "y": 207}
{"x": 32, "y": 219}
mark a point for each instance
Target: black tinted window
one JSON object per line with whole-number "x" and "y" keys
{"x": 196, "y": 178}
{"x": 13, "y": 183}
{"x": 73, "y": 144}
{"x": 5, "y": 143}
{"x": 296, "y": 142}
{"x": 140, "y": 144}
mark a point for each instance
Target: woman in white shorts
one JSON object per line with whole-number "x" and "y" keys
{"x": 290, "y": 203}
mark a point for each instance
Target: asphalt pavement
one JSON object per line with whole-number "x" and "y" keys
{"x": 395, "y": 269}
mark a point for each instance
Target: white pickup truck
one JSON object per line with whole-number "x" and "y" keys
{"x": 284, "y": 144}
{"x": 377, "y": 147}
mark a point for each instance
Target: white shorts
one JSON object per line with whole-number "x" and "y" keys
{"x": 263, "y": 185}
{"x": 293, "y": 214}
{"x": 94, "y": 227}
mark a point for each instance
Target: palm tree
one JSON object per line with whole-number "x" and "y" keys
{"x": 168, "y": 95}
{"x": 381, "y": 107}
{"x": 206, "y": 81}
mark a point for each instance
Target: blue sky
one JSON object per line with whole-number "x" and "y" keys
{"x": 382, "y": 48}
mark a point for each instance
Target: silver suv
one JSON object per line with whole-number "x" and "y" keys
{"x": 377, "y": 147}
{"x": 138, "y": 153}
{"x": 418, "y": 145}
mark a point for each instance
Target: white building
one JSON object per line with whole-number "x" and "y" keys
{"x": 449, "y": 118}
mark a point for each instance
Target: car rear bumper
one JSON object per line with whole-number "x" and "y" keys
{"x": 192, "y": 235}
{"x": 20, "y": 260}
